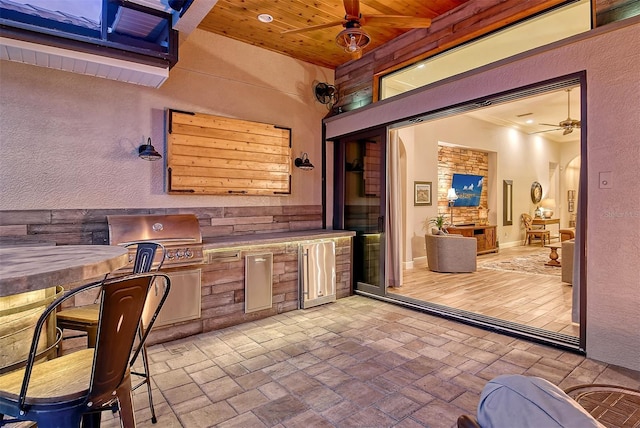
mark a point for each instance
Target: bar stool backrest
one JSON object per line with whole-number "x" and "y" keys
{"x": 121, "y": 308}
{"x": 145, "y": 254}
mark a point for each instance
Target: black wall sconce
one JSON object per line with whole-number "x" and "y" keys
{"x": 148, "y": 152}
{"x": 303, "y": 162}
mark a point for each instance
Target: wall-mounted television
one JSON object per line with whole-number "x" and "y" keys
{"x": 468, "y": 188}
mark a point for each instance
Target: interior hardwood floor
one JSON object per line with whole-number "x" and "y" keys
{"x": 535, "y": 300}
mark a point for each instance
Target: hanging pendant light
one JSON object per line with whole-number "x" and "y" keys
{"x": 148, "y": 152}
{"x": 352, "y": 40}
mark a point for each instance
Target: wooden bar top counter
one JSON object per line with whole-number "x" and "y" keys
{"x": 26, "y": 268}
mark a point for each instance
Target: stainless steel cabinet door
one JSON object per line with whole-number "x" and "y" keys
{"x": 317, "y": 273}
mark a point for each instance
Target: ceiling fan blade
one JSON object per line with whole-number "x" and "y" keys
{"x": 352, "y": 8}
{"x": 314, "y": 27}
{"x": 397, "y": 21}
{"x": 567, "y": 125}
{"x": 547, "y": 130}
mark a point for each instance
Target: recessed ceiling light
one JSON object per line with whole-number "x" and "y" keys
{"x": 265, "y": 17}
{"x": 529, "y": 120}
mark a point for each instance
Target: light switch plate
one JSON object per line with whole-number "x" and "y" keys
{"x": 606, "y": 180}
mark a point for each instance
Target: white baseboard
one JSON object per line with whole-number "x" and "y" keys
{"x": 420, "y": 261}
{"x": 510, "y": 244}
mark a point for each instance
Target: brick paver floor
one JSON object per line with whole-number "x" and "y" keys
{"x": 358, "y": 362}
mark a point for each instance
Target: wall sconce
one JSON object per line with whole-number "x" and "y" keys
{"x": 303, "y": 162}
{"x": 451, "y": 197}
{"x": 148, "y": 152}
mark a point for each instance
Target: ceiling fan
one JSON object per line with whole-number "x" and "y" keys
{"x": 353, "y": 38}
{"x": 567, "y": 125}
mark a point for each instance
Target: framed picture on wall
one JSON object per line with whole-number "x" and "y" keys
{"x": 421, "y": 193}
{"x": 571, "y": 197}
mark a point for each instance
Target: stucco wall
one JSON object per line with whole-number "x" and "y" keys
{"x": 70, "y": 141}
{"x": 612, "y": 66}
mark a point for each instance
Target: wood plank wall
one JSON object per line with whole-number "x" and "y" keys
{"x": 355, "y": 80}
{"x": 216, "y": 155}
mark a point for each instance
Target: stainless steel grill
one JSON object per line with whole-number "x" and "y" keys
{"x": 179, "y": 233}
{"x": 181, "y": 237}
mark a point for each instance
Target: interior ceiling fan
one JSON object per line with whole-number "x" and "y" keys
{"x": 353, "y": 38}
{"x": 567, "y": 125}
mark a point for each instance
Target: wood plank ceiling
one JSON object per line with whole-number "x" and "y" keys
{"x": 239, "y": 20}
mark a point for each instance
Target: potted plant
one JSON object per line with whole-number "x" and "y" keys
{"x": 438, "y": 221}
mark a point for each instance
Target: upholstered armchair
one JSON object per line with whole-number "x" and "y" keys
{"x": 567, "y": 260}
{"x": 451, "y": 253}
{"x": 566, "y": 234}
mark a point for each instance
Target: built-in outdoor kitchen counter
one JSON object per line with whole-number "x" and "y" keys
{"x": 231, "y": 263}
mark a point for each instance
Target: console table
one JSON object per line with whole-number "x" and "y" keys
{"x": 546, "y": 221}
{"x": 484, "y": 234}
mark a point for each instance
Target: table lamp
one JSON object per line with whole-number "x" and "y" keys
{"x": 547, "y": 206}
{"x": 451, "y": 197}
{"x": 483, "y": 215}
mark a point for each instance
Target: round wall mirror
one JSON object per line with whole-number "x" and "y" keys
{"x": 536, "y": 192}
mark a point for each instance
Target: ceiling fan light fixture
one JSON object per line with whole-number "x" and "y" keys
{"x": 353, "y": 40}
{"x": 568, "y": 125}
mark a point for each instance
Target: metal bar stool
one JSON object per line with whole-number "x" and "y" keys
{"x": 85, "y": 318}
{"x": 66, "y": 390}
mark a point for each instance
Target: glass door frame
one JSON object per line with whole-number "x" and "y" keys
{"x": 579, "y": 344}
{"x": 339, "y": 198}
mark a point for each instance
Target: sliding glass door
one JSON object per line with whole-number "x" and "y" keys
{"x": 513, "y": 290}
